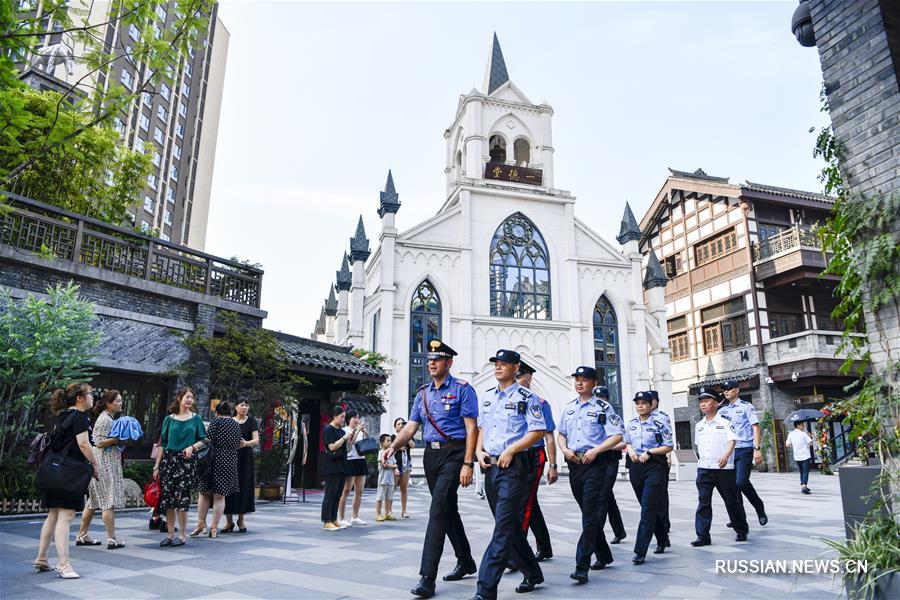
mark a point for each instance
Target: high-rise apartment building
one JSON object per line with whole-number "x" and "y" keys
{"x": 175, "y": 123}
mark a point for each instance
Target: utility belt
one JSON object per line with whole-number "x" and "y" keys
{"x": 654, "y": 459}
{"x": 494, "y": 459}
{"x": 445, "y": 445}
{"x": 602, "y": 458}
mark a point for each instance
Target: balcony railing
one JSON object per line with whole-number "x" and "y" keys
{"x": 36, "y": 227}
{"x": 789, "y": 239}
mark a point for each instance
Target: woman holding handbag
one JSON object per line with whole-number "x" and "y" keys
{"x": 182, "y": 435}
{"x": 357, "y": 469}
{"x": 71, "y": 438}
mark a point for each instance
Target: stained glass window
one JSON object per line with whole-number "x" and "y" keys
{"x": 519, "y": 271}
{"x": 425, "y": 325}
{"x": 606, "y": 351}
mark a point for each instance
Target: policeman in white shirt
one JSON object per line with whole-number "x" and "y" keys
{"x": 714, "y": 439}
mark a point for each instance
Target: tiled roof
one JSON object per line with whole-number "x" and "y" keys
{"x": 303, "y": 352}
{"x": 364, "y": 405}
{"x": 720, "y": 380}
{"x": 698, "y": 174}
{"x": 780, "y": 191}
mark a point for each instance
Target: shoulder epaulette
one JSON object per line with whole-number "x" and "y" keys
{"x": 525, "y": 392}
{"x": 603, "y": 404}
{"x": 422, "y": 387}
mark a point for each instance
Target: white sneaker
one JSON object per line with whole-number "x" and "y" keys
{"x": 345, "y": 524}
{"x": 357, "y": 521}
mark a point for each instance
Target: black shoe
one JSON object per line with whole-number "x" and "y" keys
{"x": 741, "y": 537}
{"x": 731, "y": 525}
{"x": 478, "y": 597}
{"x": 529, "y": 583}
{"x": 600, "y": 564}
{"x": 460, "y": 571}
{"x": 763, "y": 519}
{"x": 660, "y": 549}
{"x": 805, "y": 491}
{"x": 701, "y": 542}
{"x": 424, "y": 589}
{"x": 618, "y": 540}
{"x": 542, "y": 555}
{"x": 580, "y": 575}
{"x": 638, "y": 559}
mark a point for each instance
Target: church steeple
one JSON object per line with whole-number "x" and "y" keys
{"x": 343, "y": 277}
{"x": 359, "y": 243}
{"x": 390, "y": 199}
{"x": 654, "y": 276}
{"x": 331, "y": 303}
{"x": 496, "y": 74}
{"x": 628, "y": 230}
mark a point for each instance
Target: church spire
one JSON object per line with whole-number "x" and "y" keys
{"x": 654, "y": 276}
{"x": 390, "y": 199}
{"x": 343, "y": 277}
{"x": 629, "y": 229}
{"x": 496, "y": 74}
{"x": 359, "y": 243}
{"x": 331, "y": 303}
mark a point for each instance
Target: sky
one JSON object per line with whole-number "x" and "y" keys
{"x": 321, "y": 99}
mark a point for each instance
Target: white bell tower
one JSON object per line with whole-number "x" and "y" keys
{"x": 500, "y": 133}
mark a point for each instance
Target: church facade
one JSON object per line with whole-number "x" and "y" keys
{"x": 504, "y": 263}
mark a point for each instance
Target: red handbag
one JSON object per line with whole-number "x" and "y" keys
{"x": 152, "y": 492}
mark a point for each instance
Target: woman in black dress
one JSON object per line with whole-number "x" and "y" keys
{"x": 225, "y": 436}
{"x": 72, "y": 430}
{"x": 242, "y": 502}
{"x": 335, "y": 441}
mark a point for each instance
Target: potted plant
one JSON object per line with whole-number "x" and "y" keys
{"x": 269, "y": 465}
{"x": 874, "y": 544}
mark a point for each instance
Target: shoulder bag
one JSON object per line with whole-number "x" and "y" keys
{"x": 62, "y": 475}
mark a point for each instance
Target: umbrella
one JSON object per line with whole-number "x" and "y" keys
{"x": 806, "y": 414}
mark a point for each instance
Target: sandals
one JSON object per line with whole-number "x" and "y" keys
{"x": 86, "y": 540}
{"x": 166, "y": 542}
{"x": 198, "y": 530}
{"x": 114, "y": 544}
{"x": 67, "y": 572}
{"x": 41, "y": 565}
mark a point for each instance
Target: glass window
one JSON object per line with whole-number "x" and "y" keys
{"x": 148, "y": 99}
{"x": 164, "y": 237}
{"x": 425, "y": 325}
{"x": 606, "y": 351}
{"x": 187, "y": 70}
{"x": 148, "y": 204}
{"x": 173, "y": 172}
{"x": 176, "y": 151}
{"x": 134, "y": 33}
{"x": 182, "y": 109}
{"x": 185, "y": 89}
{"x": 151, "y": 181}
{"x": 161, "y": 12}
{"x": 126, "y": 78}
{"x": 139, "y": 145}
{"x": 145, "y": 122}
{"x": 157, "y": 33}
{"x": 157, "y": 158}
{"x": 161, "y": 112}
{"x": 170, "y": 195}
{"x": 164, "y": 91}
{"x": 167, "y": 217}
{"x": 519, "y": 271}
{"x": 158, "y": 135}
{"x": 179, "y": 130}
{"x": 145, "y": 226}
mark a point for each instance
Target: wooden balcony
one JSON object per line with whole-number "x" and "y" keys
{"x": 793, "y": 254}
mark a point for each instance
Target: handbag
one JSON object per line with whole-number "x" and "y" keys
{"x": 38, "y": 450}
{"x": 366, "y": 446}
{"x": 152, "y": 493}
{"x": 204, "y": 461}
{"x": 62, "y": 475}
{"x": 155, "y": 452}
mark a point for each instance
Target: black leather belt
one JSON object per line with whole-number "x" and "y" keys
{"x": 446, "y": 444}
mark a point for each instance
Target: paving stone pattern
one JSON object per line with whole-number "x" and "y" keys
{"x": 285, "y": 553}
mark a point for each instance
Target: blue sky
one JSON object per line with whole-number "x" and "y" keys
{"x": 322, "y": 98}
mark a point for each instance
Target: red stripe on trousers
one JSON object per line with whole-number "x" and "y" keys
{"x": 532, "y": 494}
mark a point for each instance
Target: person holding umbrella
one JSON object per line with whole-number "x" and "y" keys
{"x": 801, "y": 443}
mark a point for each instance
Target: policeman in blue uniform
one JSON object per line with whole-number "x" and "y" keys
{"x": 743, "y": 417}
{"x": 447, "y": 410}
{"x": 510, "y": 422}
{"x": 589, "y": 430}
{"x": 544, "y": 451}
{"x": 662, "y": 528}
{"x": 648, "y": 440}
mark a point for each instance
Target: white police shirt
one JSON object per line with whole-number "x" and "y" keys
{"x": 711, "y": 438}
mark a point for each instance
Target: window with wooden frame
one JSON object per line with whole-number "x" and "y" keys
{"x": 678, "y": 338}
{"x": 725, "y": 326}
{"x": 672, "y": 265}
{"x": 715, "y": 247}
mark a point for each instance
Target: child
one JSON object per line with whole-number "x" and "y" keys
{"x": 386, "y": 473}
{"x": 802, "y": 445}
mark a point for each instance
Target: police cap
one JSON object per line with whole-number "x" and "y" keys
{"x": 589, "y": 372}
{"x": 507, "y": 356}
{"x": 729, "y": 384}
{"x": 524, "y": 369}
{"x": 601, "y": 392}
{"x": 709, "y": 395}
{"x": 654, "y": 394}
{"x": 438, "y": 349}
{"x": 643, "y": 397}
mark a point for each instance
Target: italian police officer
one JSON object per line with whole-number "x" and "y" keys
{"x": 714, "y": 440}
{"x": 742, "y": 416}
{"x": 510, "y": 422}
{"x": 647, "y": 441}
{"x": 589, "y": 430}
{"x": 663, "y": 527}
{"x": 544, "y": 451}
{"x": 447, "y": 410}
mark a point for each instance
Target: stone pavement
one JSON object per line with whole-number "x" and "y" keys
{"x": 285, "y": 554}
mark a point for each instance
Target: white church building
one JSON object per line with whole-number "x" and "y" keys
{"x": 503, "y": 263}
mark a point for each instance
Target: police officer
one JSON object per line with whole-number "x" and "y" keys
{"x": 715, "y": 439}
{"x": 447, "y": 410}
{"x": 544, "y": 451}
{"x": 510, "y": 422}
{"x": 663, "y": 525}
{"x": 589, "y": 430}
{"x": 743, "y": 417}
{"x": 648, "y": 441}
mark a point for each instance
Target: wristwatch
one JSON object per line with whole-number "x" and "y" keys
{"x": 471, "y": 465}
{"x": 553, "y": 466}
{"x": 756, "y": 447}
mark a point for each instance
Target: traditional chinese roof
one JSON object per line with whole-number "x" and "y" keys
{"x": 720, "y": 379}
{"x": 654, "y": 276}
{"x": 359, "y": 243}
{"x": 496, "y": 74}
{"x": 343, "y": 277}
{"x": 319, "y": 358}
{"x": 628, "y": 230}
{"x": 748, "y": 187}
{"x": 390, "y": 199}
{"x": 364, "y": 405}
{"x": 698, "y": 174}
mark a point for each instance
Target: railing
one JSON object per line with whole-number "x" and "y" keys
{"x": 789, "y": 239}
{"x": 36, "y": 227}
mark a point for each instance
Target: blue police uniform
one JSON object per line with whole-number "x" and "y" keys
{"x": 742, "y": 416}
{"x": 647, "y": 478}
{"x": 661, "y": 530}
{"x": 586, "y": 424}
{"x": 533, "y": 517}
{"x": 505, "y": 416}
{"x": 441, "y": 411}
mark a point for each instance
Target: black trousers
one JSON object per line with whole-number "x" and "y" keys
{"x": 723, "y": 481}
{"x": 334, "y": 485}
{"x": 663, "y": 525}
{"x": 533, "y": 517}
{"x": 592, "y": 487}
{"x": 647, "y": 480}
{"x": 615, "y": 517}
{"x": 507, "y": 492}
{"x": 743, "y": 463}
{"x": 442, "y": 469}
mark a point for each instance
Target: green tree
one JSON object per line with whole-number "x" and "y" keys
{"x": 44, "y": 345}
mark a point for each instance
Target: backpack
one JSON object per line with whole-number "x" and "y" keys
{"x": 37, "y": 450}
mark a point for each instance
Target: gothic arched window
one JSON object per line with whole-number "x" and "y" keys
{"x": 425, "y": 325}
{"x": 606, "y": 351}
{"x": 519, "y": 270}
{"x": 497, "y": 148}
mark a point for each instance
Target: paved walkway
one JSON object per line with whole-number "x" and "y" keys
{"x": 285, "y": 554}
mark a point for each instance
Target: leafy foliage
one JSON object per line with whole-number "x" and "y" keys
{"x": 44, "y": 345}
{"x": 876, "y": 541}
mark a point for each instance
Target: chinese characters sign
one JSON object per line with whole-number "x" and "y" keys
{"x": 504, "y": 172}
